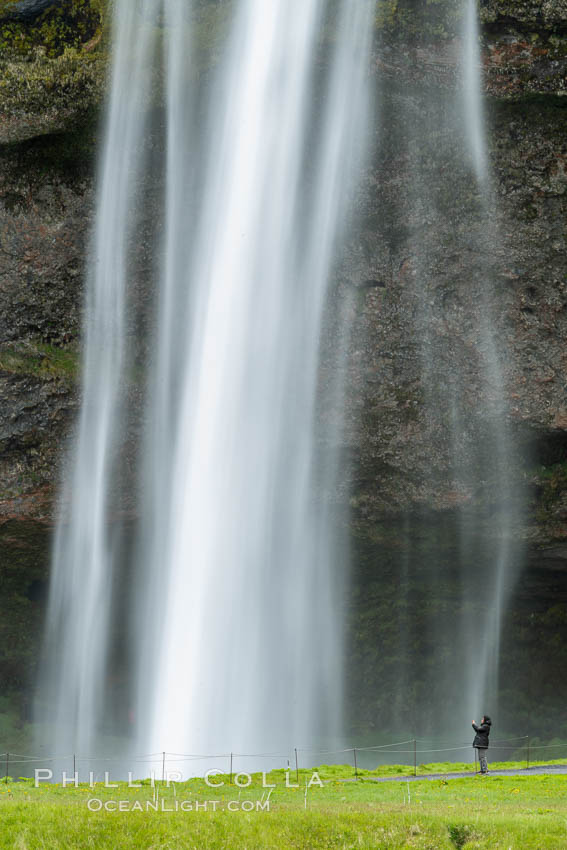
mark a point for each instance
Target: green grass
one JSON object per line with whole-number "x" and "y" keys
{"x": 528, "y": 812}
{"x": 444, "y": 767}
{"x": 40, "y": 360}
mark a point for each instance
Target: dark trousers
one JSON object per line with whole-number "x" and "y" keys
{"x": 482, "y": 751}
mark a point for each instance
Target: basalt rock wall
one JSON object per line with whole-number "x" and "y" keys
{"x": 436, "y": 262}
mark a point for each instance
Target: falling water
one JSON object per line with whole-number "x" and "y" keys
{"x": 497, "y": 464}
{"x": 455, "y": 567}
{"x": 473, "y": 111}
{"x": 483, "y": 455}
{"x": 235, "y": 607}
{"x": 73, "y": 670}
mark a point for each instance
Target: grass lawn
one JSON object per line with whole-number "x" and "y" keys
{"x": 528, "y": 812}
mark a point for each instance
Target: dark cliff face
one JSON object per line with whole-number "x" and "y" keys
{"x": 426, "y": 237}
{"x": 45, "y": 217}
{"x": 52, "y": 85}
{"x": 49, "y": 128}
{"x": 398, "y": 452}
{"x": 433, "y": 262}
{"x": 402, "y": 456}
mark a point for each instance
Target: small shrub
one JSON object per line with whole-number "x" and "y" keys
{"x": 459, "y": 834}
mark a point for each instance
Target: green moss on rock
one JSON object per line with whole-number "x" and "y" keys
{"x": 40, "y": 360}
{"x": 52, "y": 68}
{"x": 45, "y": 95}
{"x": 69, "y": 23}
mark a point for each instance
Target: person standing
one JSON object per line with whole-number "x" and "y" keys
{"x": 480, "y": 742}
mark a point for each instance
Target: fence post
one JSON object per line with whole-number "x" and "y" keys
{"x": 230, "y": 780}
{"x": 355, "y": 765}
{"x": 528, "y": 753}
{"x": 414, "y": 757}
{"x": 163, "y": 767}
{"x": 7, "y": 766}
{"x": 296, "y": 767}
{"x": 74, "y": 765}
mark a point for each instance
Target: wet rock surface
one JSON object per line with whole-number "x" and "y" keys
{"x": 421, "y": 259}
{"x": 547, "y": 14}
{"x": 45, "y": 215}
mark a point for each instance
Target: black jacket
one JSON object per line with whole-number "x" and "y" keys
{"x": 482, "y": 733}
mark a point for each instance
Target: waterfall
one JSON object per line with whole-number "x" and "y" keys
{"x": 496, "y": 461}
{"x": 473, "y": 112}
{"x": 233, "y": 607}
{"x": 73, "y": 672}
{"x": 456, "y": 566}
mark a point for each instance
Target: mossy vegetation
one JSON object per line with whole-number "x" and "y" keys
{"x": 40, "y": 360}
{"x": 42, "y": 95}
{"x": 41, "y": 78}
{"x": 67, "y": 24}
{"x": 52, "y": 67}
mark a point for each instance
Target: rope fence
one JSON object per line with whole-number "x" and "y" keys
{"x": 380, "y": 754}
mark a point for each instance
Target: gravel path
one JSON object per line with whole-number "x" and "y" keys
{"x": 522, "y": 771}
